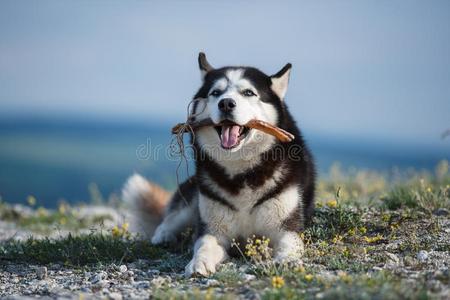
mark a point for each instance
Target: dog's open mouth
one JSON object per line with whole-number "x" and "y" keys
{"x": 231, "y": 135}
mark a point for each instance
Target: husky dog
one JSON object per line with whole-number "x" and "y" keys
{"x": 246, "y": 181}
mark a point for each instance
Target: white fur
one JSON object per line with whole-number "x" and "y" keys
{"x": 265, "y": 220}
{"x": 135, "y": 186}
{"x": 247, "y": 108}
{"x": 134, "y": 189}
{"x": 280, "y": 84}
{"x": 208, "y": 253}
{"x": 173, "y": 223}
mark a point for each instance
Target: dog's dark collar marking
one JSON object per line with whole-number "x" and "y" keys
{"x": 254, "y": 177}
{"x": 205, "y": 190}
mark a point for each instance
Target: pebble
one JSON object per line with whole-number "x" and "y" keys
{"x": 142, "y": 285}
{"x": 115, "y": 296}
{"x": 248, "y": 277}
{"x": 153, "y": 272}
{"x": 99, "y": 285}
{"x": 160, "y": 281}
{"x": 98, "y": 277}
{"x": 212, "y": 282}
{"x": 41, "y": 272}
{"x": 123, "y": 269}
{"x": 244, "y": 268}
{"x": 408, "y": 261}
{"x": 422, "y": 255}
{"x": 392, "y": 257}
{"x": 441, "y": 212}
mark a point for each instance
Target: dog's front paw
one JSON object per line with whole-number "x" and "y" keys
{"x": 200, "y": 265}
{"x": 163, "y": 236}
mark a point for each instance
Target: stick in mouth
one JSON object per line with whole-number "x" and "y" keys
{"x": 231, "y": 132}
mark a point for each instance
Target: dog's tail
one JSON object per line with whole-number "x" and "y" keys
{"x": 147, "y": 201}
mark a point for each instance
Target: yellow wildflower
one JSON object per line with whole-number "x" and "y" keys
{"x": 209, "y": 293}
{"x": 363, "y": 230}
{"x": 125, "y": 226}
{"x": 31, "y": 200}
{"x": 115, "y": 231}
{"x": 345, "y": 277}
{"x": 62, "y": 208}
{"x": 352, "y": 232}
{"x": 346, "y": 252}
{"x": 373, "y": 239}
{"x": 323, "y": 244}
{"x": 277, "y": 282}
{"x": 42, "y": 212}
{"x": 309, "y": 277}
{"x": 337, "y": 239}
{"x": 332, "y": 203}
{"x": 394, "y": 226}
{"x": 300, "y": 269}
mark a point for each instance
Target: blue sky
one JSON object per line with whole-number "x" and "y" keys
{"x": 376, "y": 69}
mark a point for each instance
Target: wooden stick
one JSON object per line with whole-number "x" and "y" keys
{"x": 265, "y": 127}
{"x": 277, "y": 132}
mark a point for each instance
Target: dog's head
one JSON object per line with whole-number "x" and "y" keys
{"x": 231, "y": 97}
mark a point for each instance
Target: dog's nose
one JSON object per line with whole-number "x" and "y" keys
{"x": 227, "y": 104}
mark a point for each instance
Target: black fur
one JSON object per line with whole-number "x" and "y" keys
{"x": 298, "y": 170}
{"x": 184, "y": 195}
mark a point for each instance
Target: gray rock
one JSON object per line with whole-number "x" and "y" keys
{"x": 123, "y": 269}
{"x": 160, "y": 281}
{"x": 441, "y": 212}
{"x": 142, "y": 285}
{"x": 98, "y": 277}
{"x": 41, "y": 272}
{"x": 394, "y": 258}
{"x": 409, "y": 261}
{"x": 422, "y": 256}
{"x": 248, "y": 277}
{"x": 153, "y": 272}
{"x": 211, "y": 282}
{"x": 115, "y": 296}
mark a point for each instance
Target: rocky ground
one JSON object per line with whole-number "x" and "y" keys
{"x": 393, "y": 244}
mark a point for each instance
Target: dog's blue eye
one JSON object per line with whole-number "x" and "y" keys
{"x": 215, "y": 93}
{"x": 248, "y": 93}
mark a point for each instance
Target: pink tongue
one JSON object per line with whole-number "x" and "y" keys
{"x": 230, "y": 135}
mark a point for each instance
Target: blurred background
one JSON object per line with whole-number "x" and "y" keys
{"x": 88, "y": 89}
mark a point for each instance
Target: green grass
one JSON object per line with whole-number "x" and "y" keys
{"x": 400, "y": 197}
{"x": 79, "y": 250}
{"x": 43, "y": 220}
{"x": 329, "y": 222}
{"x": 382, "y": 285}
{"x": 362, "y": 223}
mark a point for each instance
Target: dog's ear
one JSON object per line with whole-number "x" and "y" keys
{"x": 203, "y": 64}
{"x": 280, "y": 81}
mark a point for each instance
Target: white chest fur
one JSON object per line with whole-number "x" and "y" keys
{"x": 265, "y": 219}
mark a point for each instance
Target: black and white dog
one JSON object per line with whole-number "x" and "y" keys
{"x": 246, "y": 181}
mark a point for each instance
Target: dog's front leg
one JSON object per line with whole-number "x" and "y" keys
{"x": 208, "y": 253}
{"x": 289, "y": 247}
